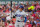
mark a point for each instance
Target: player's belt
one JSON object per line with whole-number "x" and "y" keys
{"x": 19, "y": 21}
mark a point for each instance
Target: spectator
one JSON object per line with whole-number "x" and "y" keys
{"x": 28, "y": 24}
{"x": 0, "y": 20}
{"x": 14, "y": 19}
{"x": 9, "y": 24}
{"x": 8, "y": 18}
{"x": 34, "y": 25}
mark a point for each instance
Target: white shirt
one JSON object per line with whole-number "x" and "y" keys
{"x": 19, "y": 15}
{"x": 8, "y": 18}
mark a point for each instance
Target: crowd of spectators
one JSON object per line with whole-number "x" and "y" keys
{"x": 7, "y": 18}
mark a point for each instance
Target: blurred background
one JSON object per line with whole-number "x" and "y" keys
{"x": 9, "y": 7}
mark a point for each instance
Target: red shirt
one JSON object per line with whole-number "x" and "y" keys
{"x": 1, "y": 10}
{"x": 38, "y": 24}
{"x": 29, "y": 25}
{"x": 10, "y": 26}
{"x": 13, "y": 26}
{"x": 14, "y": 19}
{"x": 7, "y": 11}
{"x": 5, "y": 24}
{"x": 37, "y": 17}
{"x": 38, "y": 11}
{"x": 33, "y": 15}
{"x": 27, "y": 17}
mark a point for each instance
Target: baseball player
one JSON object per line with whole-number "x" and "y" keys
{"x": 20, "y": 14}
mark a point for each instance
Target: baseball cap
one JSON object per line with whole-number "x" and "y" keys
{"x": 32, "y": 17}
{"x": 28, "y": 21}
{"x": 7, "y": 14}
{"x": 27, "y": 14}
{"x": 21, "y": 2}
{"x": 21, "y": 6}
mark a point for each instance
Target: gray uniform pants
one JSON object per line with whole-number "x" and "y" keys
{"x": 19, "y": 24}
